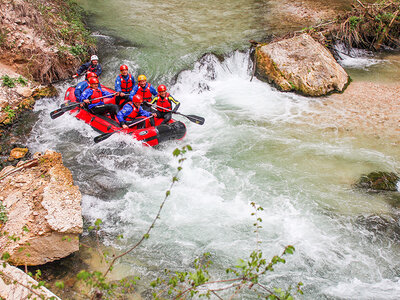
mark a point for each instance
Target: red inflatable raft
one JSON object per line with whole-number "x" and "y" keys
{"x": 149, "y": 136}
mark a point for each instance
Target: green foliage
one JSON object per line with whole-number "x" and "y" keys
{"x": 10, "y": 112}
{"x": 66, "y": 238}
{"x": 21, "y": 80}
{"x": 246, "y": 273}
{"x": 354, "y": 20}
{"x": 180, "y": 152}
{"x": 97, "y": 223}
{"x": 3, "y": 214}
{"x": 103, "y": 289}
{"x": 8, "y": 81}
{"x": 59, "y": 285}
{"x": 308, "y": 29}
{"x": 77, "y": 50}
{"x": 5, "y": 256}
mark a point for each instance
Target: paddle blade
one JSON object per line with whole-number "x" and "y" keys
{"x": 196, "y": 119}
{"x": 60, "y": 111}
{"x": 56, "y": 113}
{"x": 102, "y": 137}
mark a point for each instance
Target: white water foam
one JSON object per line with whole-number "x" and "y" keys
{"x": 356, "y": 58}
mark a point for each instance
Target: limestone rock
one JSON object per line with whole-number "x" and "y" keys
{"x": 24, "y": 91}
{"x": 12, "y": 280}
{"x": 17, "y": 153}
{"x": 44, "y": 211}
{"x": 300, "y": 64}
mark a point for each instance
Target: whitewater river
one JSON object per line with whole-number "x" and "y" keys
{"x": 255, "y": 146}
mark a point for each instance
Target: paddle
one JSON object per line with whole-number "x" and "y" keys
{"x": 104, "y": 136}
{"x": 192, "y": 118}
{"x": 59, "y": 112}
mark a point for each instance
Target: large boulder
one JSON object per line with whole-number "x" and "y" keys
{"x": 44, "y": 211}
{"x": 302, "y": 65}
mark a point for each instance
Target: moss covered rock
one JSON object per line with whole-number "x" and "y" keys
{"x": 379, "y": 181}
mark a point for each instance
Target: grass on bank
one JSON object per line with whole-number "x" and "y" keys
{"x": 371, "y": 26}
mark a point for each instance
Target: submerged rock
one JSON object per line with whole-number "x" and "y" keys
{"x": 302, "y": 65}
{"x": 43, "y": 208}
{"x": 385, "y": 226}
{"x": 379, "y": 181}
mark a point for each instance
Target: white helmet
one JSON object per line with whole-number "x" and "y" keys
{"x": 94, "y": 57}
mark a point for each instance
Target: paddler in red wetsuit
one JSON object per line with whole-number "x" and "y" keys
{"x": 164, "y": 104}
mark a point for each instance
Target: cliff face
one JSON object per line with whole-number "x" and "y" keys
{"x": 43, "y": 40}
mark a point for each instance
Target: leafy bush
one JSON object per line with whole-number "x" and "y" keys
{"x": 21, "y": 80}
{"x": 10, "y": 112}
{"x": 77, "y": 50}
{"x": 354, "y": 20}
{"x": 8, "y": 81}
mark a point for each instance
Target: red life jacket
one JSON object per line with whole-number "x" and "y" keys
{"x": 164, "y": 102}
{"x": 145, "y": 93}
{"x": 133, "y": 114}
{"x": 126, "y": 86}
{"x": 96, "y": 94}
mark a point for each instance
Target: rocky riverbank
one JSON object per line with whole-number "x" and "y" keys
{"x": 40, "y": 214}
{"x": 43, "y": 40}
{"x": 41, "y": 217}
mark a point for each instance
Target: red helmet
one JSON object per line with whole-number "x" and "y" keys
{"x": 137, "y": 99}
{"x": 162, "y": 88}
{"x": 123, "y": 67}
{"x": 93, "y": 80}
{"x": 91, "y": 74}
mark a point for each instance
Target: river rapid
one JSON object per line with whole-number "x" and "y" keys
{"x": 255, "y": 146}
